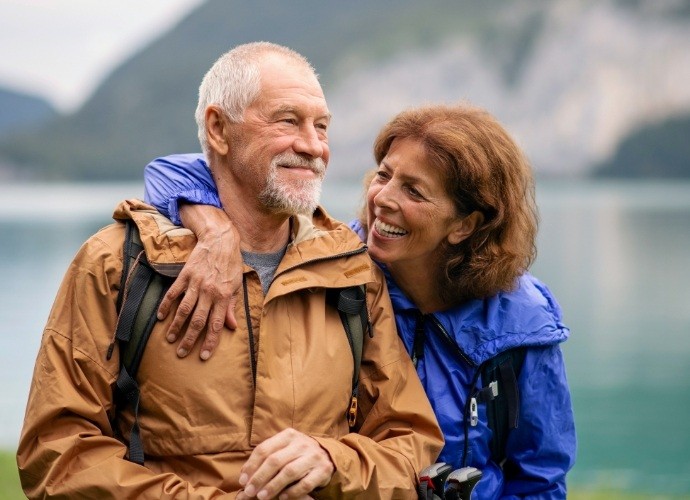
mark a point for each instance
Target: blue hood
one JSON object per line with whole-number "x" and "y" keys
{"x": 525, "y": 316}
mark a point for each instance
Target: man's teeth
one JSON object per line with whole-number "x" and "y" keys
{"x": 388, "y": 230}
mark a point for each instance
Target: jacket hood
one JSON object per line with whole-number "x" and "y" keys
{"x": 529, "y": 315}
{"x": 168, "y": 246}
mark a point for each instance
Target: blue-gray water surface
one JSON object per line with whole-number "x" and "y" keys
{"x": 617, "y": 256}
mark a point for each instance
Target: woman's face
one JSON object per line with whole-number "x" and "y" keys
{"x": 409, "y": 213}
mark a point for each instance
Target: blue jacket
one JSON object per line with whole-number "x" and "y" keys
{"x": 542, "y": 449}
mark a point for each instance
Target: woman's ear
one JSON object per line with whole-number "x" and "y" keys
{"x": 463, "y": 228}
{"x": 217, "y": 130}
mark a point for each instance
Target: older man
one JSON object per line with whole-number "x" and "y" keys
{"x": 265, "y": 416}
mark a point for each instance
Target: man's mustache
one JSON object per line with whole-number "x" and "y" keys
{"x": 316, "y": 165}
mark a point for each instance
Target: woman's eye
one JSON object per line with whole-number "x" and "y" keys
{"x": 381, "y": 174}
{"x": 414, "y": 192}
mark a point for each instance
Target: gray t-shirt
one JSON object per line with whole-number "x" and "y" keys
{"x": 265, "y": 264}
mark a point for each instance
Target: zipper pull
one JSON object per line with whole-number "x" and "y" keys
{"x": 352, "y": 412}
{"x": 474, "y": 414}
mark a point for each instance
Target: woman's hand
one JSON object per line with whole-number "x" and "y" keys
{"x": 209, "y": 281}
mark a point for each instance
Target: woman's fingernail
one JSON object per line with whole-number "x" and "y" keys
{"x": 243, "y": 479}
{"x": 171, "y": 338}
{"x": 181, "y": 352}
{"x": 205, "y": 355}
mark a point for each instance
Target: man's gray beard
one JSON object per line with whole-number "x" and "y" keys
{"x": 299, "y": 197}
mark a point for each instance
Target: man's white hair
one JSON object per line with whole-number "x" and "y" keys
{"x": 234, "y": 81}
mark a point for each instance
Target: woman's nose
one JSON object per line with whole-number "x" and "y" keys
{"x": 385, "y": 198}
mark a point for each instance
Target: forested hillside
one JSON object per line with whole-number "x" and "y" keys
{"x": 21, "y": 111}
{"x": 570, "y": 79}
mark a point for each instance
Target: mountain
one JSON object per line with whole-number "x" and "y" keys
{"x": 22, "y": 111}
{"x": 570, "y": 78}
{"x": 641, "y": 153}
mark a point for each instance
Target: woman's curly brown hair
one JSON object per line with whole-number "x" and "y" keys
{"x": 484, "y": 170}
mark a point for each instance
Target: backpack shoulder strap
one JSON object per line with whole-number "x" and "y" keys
{"x": 502, "y": 397}
{"x": 141, "y": 291}
{"x": 352, "y": 307}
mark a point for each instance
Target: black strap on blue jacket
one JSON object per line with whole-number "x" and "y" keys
{"x": 499, "y": 389}
{"x": 503, "y": 399}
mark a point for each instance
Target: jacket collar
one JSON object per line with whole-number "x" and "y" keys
{"x": 526, "y": 316}
{"x": 168, "y": 246}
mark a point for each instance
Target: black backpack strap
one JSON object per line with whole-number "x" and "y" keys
{"x": 141, "y": 291}
{"x": 501, "y": 394}
{"x": 352, "y": 307}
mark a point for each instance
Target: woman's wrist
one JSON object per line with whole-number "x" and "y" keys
{"x": 206, "y": 221}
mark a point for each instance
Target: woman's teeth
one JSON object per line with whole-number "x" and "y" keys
{"x": 388, "y": 230}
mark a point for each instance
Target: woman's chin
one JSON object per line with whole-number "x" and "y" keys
{"x": 378, "y": 254}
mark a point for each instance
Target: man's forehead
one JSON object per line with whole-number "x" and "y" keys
{"x": 291, "y": 88}
{"x": 285, "y": 107}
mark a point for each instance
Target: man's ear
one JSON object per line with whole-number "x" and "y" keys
{"x": 217, "y": 132}
{"x": 463, "y": 228}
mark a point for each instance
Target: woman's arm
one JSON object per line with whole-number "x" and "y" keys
{"x": 208, "y": 283}
{"x": 175, "y": 179}
{"x": 181, "y": 187}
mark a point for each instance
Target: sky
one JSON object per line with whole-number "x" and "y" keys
{"x": 62, "y": 49}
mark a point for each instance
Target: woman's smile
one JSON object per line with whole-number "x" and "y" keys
{"x": 388, "y": 230}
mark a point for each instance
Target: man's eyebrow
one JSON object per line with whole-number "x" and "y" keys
{"x": 284, "y": 108}
{"x": 287, "y": 108}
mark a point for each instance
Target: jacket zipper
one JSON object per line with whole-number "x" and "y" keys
{"x": 252, "y": 356}
{"x": 470, "y": 410}
{"x": 250, "y": 330}
{"x": 450, "y": 341}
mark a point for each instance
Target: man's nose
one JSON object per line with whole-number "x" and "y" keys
{"x": 308, "y": 142}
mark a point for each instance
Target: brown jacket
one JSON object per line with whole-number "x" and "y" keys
{"x": 200, "y": 420}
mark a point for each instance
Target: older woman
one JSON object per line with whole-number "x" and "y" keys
{"x": 450, "y": 217}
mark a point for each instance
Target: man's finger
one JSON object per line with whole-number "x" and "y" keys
{"x": 295, "y": 478}
{"x": 271, "y": 476}
{"x": 301, "y": 489}
{"x": 259, "y": 455}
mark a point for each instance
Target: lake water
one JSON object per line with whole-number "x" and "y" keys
{"x": 617, "y": 256}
